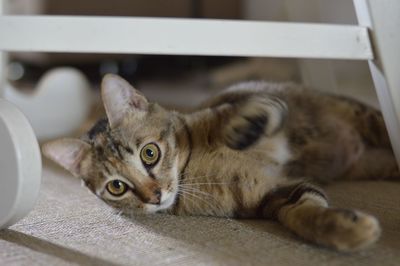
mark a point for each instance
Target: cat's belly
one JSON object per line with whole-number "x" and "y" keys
{"x": 277, "y": 154}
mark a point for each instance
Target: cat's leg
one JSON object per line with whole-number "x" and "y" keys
{"x": 249, "y": 121}
{"x": 303, "y": 208}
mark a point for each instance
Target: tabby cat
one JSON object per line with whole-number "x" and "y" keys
{"x": 250, "y": 152}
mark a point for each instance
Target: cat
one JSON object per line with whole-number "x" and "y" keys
{"x": 252, "y": 151}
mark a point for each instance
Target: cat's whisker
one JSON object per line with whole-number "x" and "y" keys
{"x": 194, "y": 175}
{"x": 193, "y": 193}
{"x": 184, "y": 193}
{"x": 197, "y": 177}
{"x": 187, "y": 195}
{"x": 190, "y": 176}
{"x": 218, "y": 204}
{"x": 199, "y": 192}
{"x": 209, "y": 195}
{"x": 206, "y": 183}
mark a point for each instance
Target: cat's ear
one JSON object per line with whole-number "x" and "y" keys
{"x": 68, "y": 153}
{"x": 119, "y": 98}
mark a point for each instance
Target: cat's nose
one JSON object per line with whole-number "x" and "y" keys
{"x": 156, "y": 197}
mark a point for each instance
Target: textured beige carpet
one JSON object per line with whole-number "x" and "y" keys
{"x": 70, "y": 226}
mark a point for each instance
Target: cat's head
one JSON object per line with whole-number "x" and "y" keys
{"x": 132, "y": 158}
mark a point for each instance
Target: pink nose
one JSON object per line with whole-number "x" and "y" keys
{"x": 155, "y": 197}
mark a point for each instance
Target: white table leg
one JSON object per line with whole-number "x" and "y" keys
{"x": 383, "y": 19}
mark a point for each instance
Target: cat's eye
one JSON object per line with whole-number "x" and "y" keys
{"x": 150, "y": 154}
{"x": 117, "y": 187}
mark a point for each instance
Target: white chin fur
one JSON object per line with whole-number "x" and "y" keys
{"x": 167, "y": 199}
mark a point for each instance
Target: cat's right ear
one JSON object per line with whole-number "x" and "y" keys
{"x": 68, "y": 153}
{"x": 119, "y": 98}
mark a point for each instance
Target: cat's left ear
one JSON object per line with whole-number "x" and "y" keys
{"x": 119, "y": 98}
{"x": 68, "y": 153}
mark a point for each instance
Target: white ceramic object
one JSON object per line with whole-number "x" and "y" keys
{"x": 58, "y": 106}
{"x": 20, "y": 165}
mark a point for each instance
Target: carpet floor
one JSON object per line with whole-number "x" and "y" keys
{"x": 70, "y": 226}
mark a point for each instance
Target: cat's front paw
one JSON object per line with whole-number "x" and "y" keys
{"x": 347, "y": 230}
{"x": 256, "y": 118}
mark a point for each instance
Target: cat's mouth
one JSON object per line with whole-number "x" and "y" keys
{"x": 166, "y": 201}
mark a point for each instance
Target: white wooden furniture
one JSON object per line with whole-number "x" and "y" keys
{"x": 376, "y": 39}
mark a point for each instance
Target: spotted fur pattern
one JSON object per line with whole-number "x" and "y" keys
{"x": 246, "y": 153}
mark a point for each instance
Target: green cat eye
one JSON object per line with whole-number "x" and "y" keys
{"x": 150, "y": 154}
{"x": 117, "y": 187}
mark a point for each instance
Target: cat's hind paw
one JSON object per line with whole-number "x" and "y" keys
{"x": 347, "y": 230}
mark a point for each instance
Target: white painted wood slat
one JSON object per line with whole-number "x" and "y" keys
{"x": 183, "y": 37}
{"x": 382, "y": 17}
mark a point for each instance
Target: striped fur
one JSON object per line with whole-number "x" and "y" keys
{"x": 245, "y": 153}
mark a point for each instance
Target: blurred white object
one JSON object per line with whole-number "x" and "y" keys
{"x": 59, "y": 105}
{"x": 20, "y": 165}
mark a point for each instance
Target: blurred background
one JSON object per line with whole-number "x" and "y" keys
{"x": 182, "y": 82}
